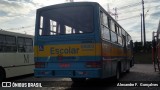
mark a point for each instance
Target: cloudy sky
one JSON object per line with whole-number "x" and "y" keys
{"x": 19, "y": 15}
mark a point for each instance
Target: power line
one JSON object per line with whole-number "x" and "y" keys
{"x": 128, "y": 17}
{"x": 131, "y": 17}
{"x": 132, "y": 5}
{"x": 138, "y": 9}
{"x": 151, "y": 1}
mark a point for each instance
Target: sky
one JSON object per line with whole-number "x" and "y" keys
{"x": 19, "y": 15}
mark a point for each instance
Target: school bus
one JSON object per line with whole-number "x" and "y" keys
{"x": 80, "y": 40}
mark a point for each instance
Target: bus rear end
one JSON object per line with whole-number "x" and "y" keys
{"x": 66, "y": 41}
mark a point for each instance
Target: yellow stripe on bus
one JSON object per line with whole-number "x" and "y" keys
{"x": 69, "y": 50}
{"x": 80, "y": 50}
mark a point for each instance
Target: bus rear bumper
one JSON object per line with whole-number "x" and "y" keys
{"x": 68, "y": 73}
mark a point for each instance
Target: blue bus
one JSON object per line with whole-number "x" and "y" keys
{"x": 80, "y": 40}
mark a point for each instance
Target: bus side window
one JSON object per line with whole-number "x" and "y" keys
{"x": 28, "y": 45}
{"x": 120, "y": 31}
{"x": 113, "y": 37}
{"x": 112, "y": 26}
{"x": 120, "y": 40}
{"x": 104, "y": 19}
{"x": 105, "y": 33}
{"x": 11, "y": 44}
{"x": 129, "y": 42}
{"x": 123, "y": 32}
{"x": 2, "y": 43}
{"x": 101, "y": 17}
{"x": 21, "y": 44}
{"x": 124, "y": 41}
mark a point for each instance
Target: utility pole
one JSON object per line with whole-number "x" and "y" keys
{"x": 141, "y": 30}
{"x": 115, "y": 14}
{"x": 144, "y": 32}
{"x": 108, "y": 9}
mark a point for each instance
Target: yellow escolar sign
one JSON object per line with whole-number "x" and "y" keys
{"x": 68, "y": 50}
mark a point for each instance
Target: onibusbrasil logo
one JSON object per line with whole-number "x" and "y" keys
{"x": 20, "y": 84}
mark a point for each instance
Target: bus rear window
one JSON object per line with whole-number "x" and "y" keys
{"x": 68, "y": 20}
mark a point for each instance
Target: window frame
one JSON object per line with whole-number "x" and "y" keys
{"x": 8, "y": 47}
{"x": 29, "y": 45}
{"x": 120, "y": 43}
{"x": 24, "y": 45}
{"x": 102, "y": 26}
{"x": 115, "y": 38}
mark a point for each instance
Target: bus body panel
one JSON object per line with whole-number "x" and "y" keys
{"x": 68, "y": 58}
{"x": 112, "y": 54}
{"x": 10, "y": 72}
{"x": 13, "y": 61}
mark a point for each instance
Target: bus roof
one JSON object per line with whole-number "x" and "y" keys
{"x": 67, "y": 4}
{"x": 15, "y": 34}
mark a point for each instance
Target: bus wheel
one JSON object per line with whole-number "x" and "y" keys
{"x": 74, "y": 80}
{"x": 2, "y": 74}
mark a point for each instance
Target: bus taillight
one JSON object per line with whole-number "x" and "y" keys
{"x": 39, "y": 65}
{"x": 93, "y": 64}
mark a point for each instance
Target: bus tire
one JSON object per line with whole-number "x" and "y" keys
{"x": 75, "y": 80}
{"x": 2, "y": 74}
